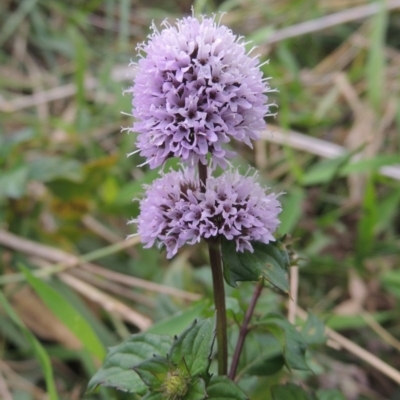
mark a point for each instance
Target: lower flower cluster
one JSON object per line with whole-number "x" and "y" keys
{"x": 175, "y": 211}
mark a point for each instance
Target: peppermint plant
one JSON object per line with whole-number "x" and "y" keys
{"x": 196, "y": 88}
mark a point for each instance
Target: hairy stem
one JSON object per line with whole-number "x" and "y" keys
{"x": 219, "y": 291}
{"x": 219, "y": 300}
{"x": 244, "y": 329}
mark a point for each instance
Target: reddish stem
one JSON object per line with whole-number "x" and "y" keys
{"x": 244, "y": 329}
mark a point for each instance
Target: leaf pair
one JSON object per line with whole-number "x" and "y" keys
{"x": 158, "y": 367}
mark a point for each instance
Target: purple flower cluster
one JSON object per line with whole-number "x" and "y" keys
{"x": 174, "y": 211}
{"x": 195, "y": 88}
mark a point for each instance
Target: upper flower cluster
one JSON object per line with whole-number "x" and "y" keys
{"x": 195, "y": 88}
{"x": 175, "y": 211}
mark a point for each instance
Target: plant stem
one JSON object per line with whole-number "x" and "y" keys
{"x": 202, "y": 176}
{"x": 219, "y": 300}
{"x": 244, "y": 329}
{"x": 219, "y": 291}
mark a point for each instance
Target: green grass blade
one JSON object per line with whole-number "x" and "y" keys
{"x": 67, "y": 314}
{"x": 37, "y": 348}
{"x": 15, "y": 19}
{"x": 367, "y": 223}
{"x": 375, "y": 71}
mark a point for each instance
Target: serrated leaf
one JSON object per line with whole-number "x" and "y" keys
{"x": 117, "y": 370}
{"x": 290, "y": 392}
{"x": 222, "y": 388}
{"x": 313, "y": 331}
{"x": 153, "y": 371}
{"x": 293, "y": 344}
{"x": 194, "y": 346}
{"x": 269, "y": 261}
{"x": 196, "y": 391}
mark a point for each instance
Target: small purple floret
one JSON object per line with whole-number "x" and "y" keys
{"x": 174, "y": 211}
{"x": 195, "y": 89}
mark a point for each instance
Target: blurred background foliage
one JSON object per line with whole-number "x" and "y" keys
{"x": 72, "y": 286}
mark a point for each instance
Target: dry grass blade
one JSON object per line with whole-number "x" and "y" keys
{"x": 380, "y": 331}
{"x": 39, "y": 319}
{"x": 107, "y": 302}
{"x": 4, "y": 392}
{"x": 104, "y": 232}
{"x": 331, "y": 20}
{"x": 119, "y": 73}
{"x": 294, "y": 286}
{"x": 316, "y": 146}
{"x": 66, "y": 261}
{"x": 137, "y": 282}
{"x": 18, "y": 382}
{"x": 101, "y": 230}
{"x": 115, "y": 288}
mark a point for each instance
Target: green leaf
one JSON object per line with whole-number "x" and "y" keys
{"x": 290, "y": 392}
{"x": 133, "y": 189}
{"x": 329, "y": 394}
{"x": 196, "y": 391}
{"x": 269, "y": 261}
{"x": 388, "y": 209}
{"x": 325, "y": 171}
{"x": 13, "y": 183}
{"x": 46, "y": 169}
{"x": 266, "y": 365}
{"x": 366, "y": 225}
{"x": 67, "y": 314}
{"x": 342, "y": 322}
{"x": 194, "y": 346}
{"x": 222, "y": 388}
{"x": 15, "y": 19}
{"x": 233, "y": 309}
{"x": 8, "y": 143}
{"x": 370, "y": 164}
{"x": 153, "y": 396}
{"x": 293, "y": 344}
{"x": 175, "y": 324}
{"x": 117, "y": 370}
{"x": 10, "y": 333}
{"x": 37, "y": 348}
{"x": 291, "y": 209}
{"x": 262, "y": 355}
{"x": 153, "y": 371}
{"x": 313, "y": 331}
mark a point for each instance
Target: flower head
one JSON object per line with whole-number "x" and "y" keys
{"x": 174, "y": 211}
{"x": 196, "y": 88}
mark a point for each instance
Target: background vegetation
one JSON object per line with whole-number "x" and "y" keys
{"x": 66, "y": 189}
